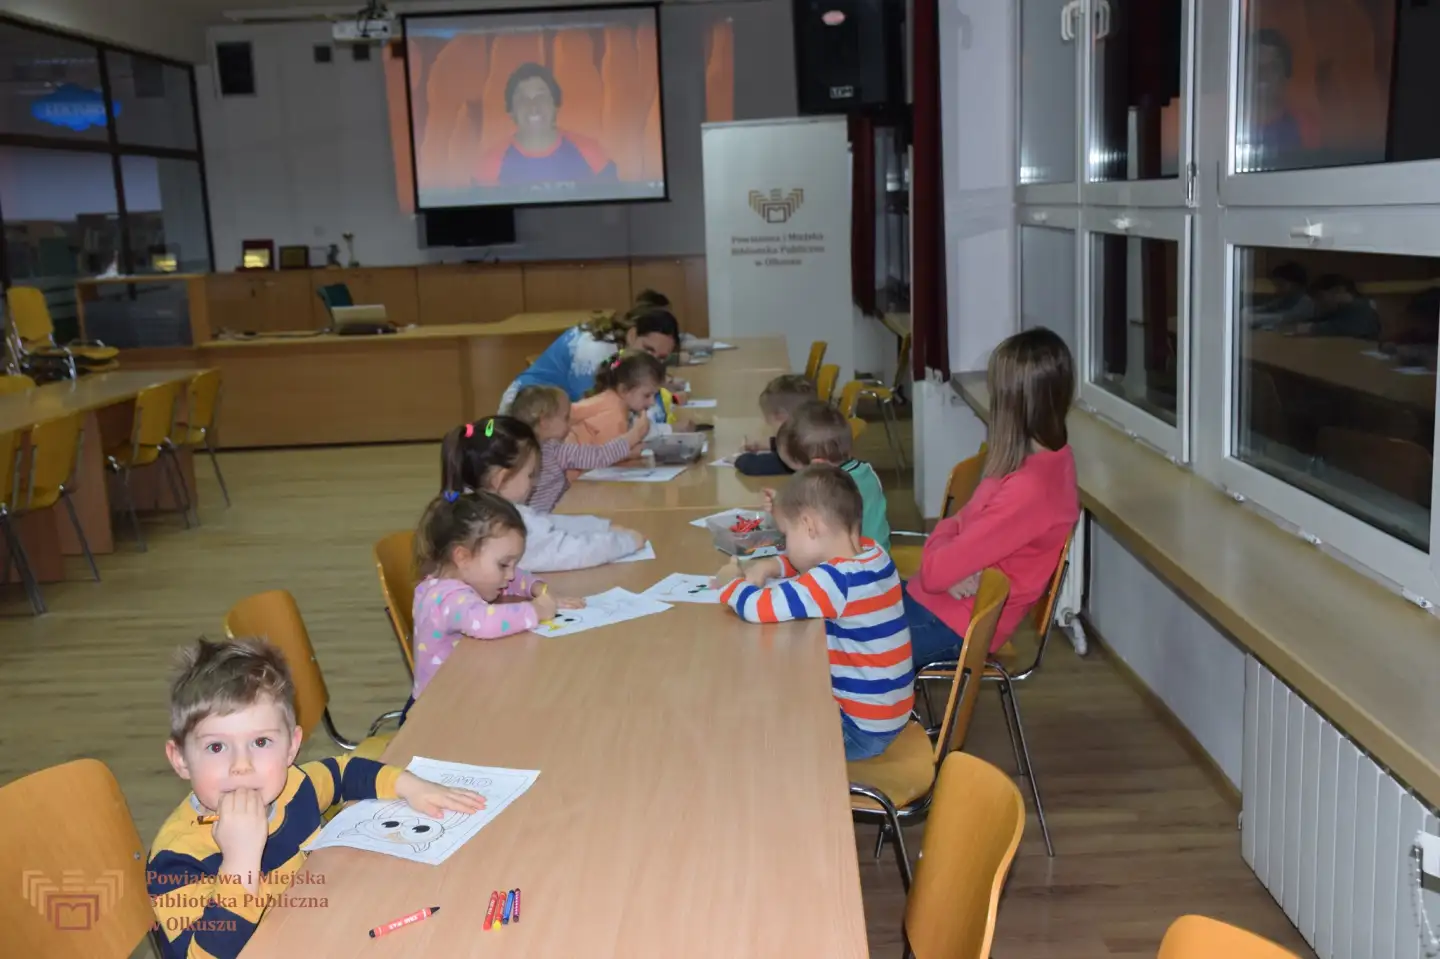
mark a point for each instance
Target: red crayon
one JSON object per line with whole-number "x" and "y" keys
{"x": 403, "y": 921}
{"x": 490, "y": 913}
{"x": 515, "y": 915}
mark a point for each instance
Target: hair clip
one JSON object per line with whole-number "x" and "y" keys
{"x": 451, "y": 495}
{"x": 490, "y": 427}
{"x": 615, "y": 363}
{"x": 469, "y": 430}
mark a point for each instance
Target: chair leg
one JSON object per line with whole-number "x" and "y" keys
{"x": 892, "y": 818}
{"x": 170, "y": 466}
{"x": 22, "y": 563}
{"x": 1006, "y": 692}
{"x": 130, "y": 506}
{"x": 340, "y": 740}
{"x": 381, "y": 720}
{"x": 892, "y": 431}
{"x": 80, "y": 534}
{"x": 1027, "y": 770}
{"x": 215, "y": 462}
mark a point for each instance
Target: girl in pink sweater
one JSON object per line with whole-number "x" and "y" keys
{"x": 1020, "y": 515}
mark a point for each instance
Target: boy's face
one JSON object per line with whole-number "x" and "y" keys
{"x": 556, "y": 425}
{"x": 808, "y": 540}
{"x": 252, "y": 748}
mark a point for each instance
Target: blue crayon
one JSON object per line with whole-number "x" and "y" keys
{"x": 509, "y": 906}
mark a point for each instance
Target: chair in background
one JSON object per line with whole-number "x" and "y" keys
{"x": 975, "y": 825}
{"x": 149, "y": 433}
{"x": 197, "y": 430}
{"x": 1197, "y": 937}
{"x": 817, "y": 356}
{"x": 894, "y": 788}
{"x": 333, "y": 295}
{"x": 32, "y": 339}
{"x": 964, "y": 477}
{"x": 15, "y": 383}
{"x": 885, "y": 398}
{"x": 825, "y": 382}
{"x": 54, "y": 453}
{"x": 275, "y": 617}
{"x": 857, "y": 428}
{"x": 65, "y": 825}
{"x": 9, "y": 493}
{"x": 395, "y": 561}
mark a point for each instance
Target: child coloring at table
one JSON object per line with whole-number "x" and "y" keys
{"x": 546, "y": 410}
{"x": 1021, "y": 513}
{"x": 833, "y": 572}
{"x": 819, "y": 433}
{"x": 501, "y": 455}
{"x": 781, "y": 397}
{"x": 231, "y": 849}
{"x": 625, "y": 388}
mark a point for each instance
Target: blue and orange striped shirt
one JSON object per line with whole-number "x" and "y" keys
{"x": 863, "y": 606}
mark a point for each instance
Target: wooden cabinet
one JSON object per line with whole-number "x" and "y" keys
{"x": 261, "y": 302}
{"x": 394, "y": 288}
{"x": 470, "y": 292}
{"x": 591, "y": 285}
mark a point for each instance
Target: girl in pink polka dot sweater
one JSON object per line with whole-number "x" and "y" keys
{"x": 468, "y": 549}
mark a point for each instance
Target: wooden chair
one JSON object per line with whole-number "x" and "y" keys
{"x": 15, "y": 383}
{"x": 857, "y": 428}
{"x": 395, "y": 561}
{"x": 825, "y": 382}
{"x": 817, "y": 356}
{"x": 1196, "y": 937}
{"x": 970, "y": 843}
{"x": 275, "y": 617}
{"x": 149, "y": 433}
{"x": 32, "y": 338}
{"x": 849, "y": 400}
{"x": 74, "y": 867}
{"x": 9, "y": 494}
{"x": 197, "y": 430}
{"x": 885, "y": 398}
{"x": 964, "y": 477}
{"x": 54, "y": 453}
{"x": 895, "y": 788}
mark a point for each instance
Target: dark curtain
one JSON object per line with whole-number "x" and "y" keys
{"x": 931, "y": 341}
{"x": 862, "y": 214}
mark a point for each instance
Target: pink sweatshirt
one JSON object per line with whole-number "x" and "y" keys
{"x": 447, "y": 610}
{"x": 1019, "y": 524}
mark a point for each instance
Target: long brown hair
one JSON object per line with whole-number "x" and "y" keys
{"x": 1032, "y": 381}
{"x": 471, "y": 452}
{"x": 627, "y": 371}
{"x": 461, "y": 519}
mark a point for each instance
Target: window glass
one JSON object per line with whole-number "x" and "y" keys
{"x": 1336, "y": 382}
{"x": 52, "y": 86}
{"x": 1137, "y": 108}
{"x": 1048, "y": 45}
{"x": 154, "y": 98}
{"x": 1136, "y": 309}
{"x": 165, "y": 206}
{"x": 61, "y": 216}
{"x": 1047, "y": 281}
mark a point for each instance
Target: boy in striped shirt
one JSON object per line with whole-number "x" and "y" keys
{"x": 546, "y": 409}
{"x": 832, "y": 572}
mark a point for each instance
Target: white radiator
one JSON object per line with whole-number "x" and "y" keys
{"x": 1071, "y": 600}
{"x": 1328, "y": 831}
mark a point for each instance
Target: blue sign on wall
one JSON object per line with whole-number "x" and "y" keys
{"x": 73, "y": 107}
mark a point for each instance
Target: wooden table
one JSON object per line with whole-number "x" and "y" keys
{"x": 1343, "y": 363}
{"x": 691, "y": 802}
{"x": 107, "y": 402}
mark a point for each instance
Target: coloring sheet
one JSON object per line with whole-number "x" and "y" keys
{"x": 645, "y": 552}
{"x": 728, "y": 515}
{"x": 700, "y": 404}
{"x": 683, "y": 588}
{"x": 639, "y": 474}
{"x": 719, "y": 345}
{"x": 724, "y": 461}
{"x": 393, "y": 828}
{"x": 603, "y": 609}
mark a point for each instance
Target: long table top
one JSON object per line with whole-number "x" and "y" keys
{"x": 521, "y": 323}
{"x": 20, "y": 411}
{"x": 1343, "y": 362}
{"x": 1363, "y": 656}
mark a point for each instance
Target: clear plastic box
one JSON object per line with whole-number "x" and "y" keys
{"x": 674, "y": 449}
{"x": 767, "y": 540}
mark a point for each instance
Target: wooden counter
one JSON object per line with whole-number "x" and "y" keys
{"x": 1361, "y": 655}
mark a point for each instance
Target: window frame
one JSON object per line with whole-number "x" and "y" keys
{"x": 1181, "y": 192}
{"x": 1067, "y": 191}
{"x": 1140, "y": 223}
{"x": 1384, "y": 230}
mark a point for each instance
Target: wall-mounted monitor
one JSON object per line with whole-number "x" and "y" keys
{"x": 547, "y": 106}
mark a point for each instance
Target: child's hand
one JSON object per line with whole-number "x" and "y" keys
{"x": 755, "y": 446}
{"x": 242, "y": 827}
{"x": 432, "y": 799}
{"x": 758, "y": 572}
{"x": 637, "y": 537}
{"x": 966, "y": 588}
{"x": 679, "y": 396}
{"x": 637, "y": 432}
{"x": 545, "y": 607}
{"x": 767, "y": 500}
{"x": 570, "y": 602}
{"x": 727, "y": 574}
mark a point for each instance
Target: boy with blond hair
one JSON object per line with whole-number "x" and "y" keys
{"x": 233, "y": 846}
{"x": 781, "y": 397}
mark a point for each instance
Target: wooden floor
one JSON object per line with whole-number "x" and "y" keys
{"x": 1141, "y": 834}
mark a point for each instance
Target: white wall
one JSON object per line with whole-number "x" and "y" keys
{"x": 1196, "y": 670}
{"x": 310, "y": 156}
{"x": 155, "y": 26}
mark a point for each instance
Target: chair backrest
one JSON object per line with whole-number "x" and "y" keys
{"x": 965, "y": 688}
{"x": 73, "y": 866}
{"x": 335, "y": 294}
{"x": 9, "y": 469}
{"x": 902, "y": 361}
{"x": 15, "y": 383}
{"x": 154, "y": 421}
{"x": 976, "y": 819}
{"x": 1044, "y": 610}
{"x": 1198, "y": 937}
{"x": 54, "y": 450}
{"x": 825, "y": 382}
{"x": 202, "y": 398}
{"x": 857, "y": 426}
{"x": 395, "y": 561}
{"x": 29, "y": 313}
{"x": 274, "y": 616}
{"x": 817, "y": 356}
{"x": 850, "y": 397}
{"x": 964, "y": 477}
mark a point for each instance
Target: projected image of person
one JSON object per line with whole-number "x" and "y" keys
{"x": 540, "y": 151}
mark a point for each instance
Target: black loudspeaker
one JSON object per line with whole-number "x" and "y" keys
{"x": 469, "y": 226}
{"x": 849, "y": 55}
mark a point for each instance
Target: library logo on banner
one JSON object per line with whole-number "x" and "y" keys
{"x": 76, "y": 902}
{"x": 774, "y": 208}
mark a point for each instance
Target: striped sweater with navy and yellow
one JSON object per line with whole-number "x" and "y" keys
{"x": 861, "y": 601}
{"x": 204, "y": 917}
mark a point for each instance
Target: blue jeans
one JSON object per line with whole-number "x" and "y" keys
{"x": 931, "y": 641}
{"x": 862, "y": 745}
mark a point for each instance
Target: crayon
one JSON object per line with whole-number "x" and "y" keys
{"x": 417, "y": 916}
{"x": 490, "y": 912}
{"x": 515, "y": 917}
{"x": 509, "y": 907}
{"x": 207, "y": 820}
